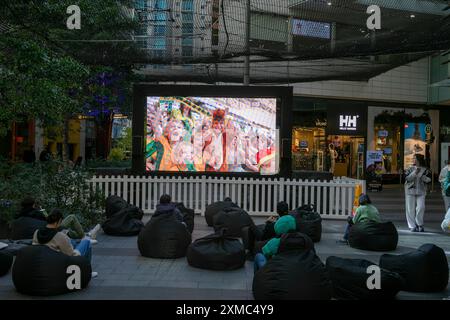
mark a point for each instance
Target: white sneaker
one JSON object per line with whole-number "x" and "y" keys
{"x": 93, "y": 233}
{"x": 94, "y": 274}
{"x": 92, "y": 241}
{"x": 3, "y": 245}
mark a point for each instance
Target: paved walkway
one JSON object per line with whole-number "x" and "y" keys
{"x": 124, "y": 274}
{"x": 391, "y": 204}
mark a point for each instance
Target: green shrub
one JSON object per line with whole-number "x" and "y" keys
{"x": 99, "y": 163}
{"x": 55, "y": 185}
{"x": 116, "y": 154}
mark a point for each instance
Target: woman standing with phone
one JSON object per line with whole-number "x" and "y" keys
{"x": 417, "y": 178}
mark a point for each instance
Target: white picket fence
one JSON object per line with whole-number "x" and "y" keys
{"x": 333, "y": 199}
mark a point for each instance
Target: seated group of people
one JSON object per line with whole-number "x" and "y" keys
{"x": 65, "y": 235}
{"x": 284, "y": 223}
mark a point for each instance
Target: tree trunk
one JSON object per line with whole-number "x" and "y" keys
{"x": 66, "y": 138}
{"x": 103, "y": 139}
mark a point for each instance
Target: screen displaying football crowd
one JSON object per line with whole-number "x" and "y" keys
{"x": 205, "y": 134}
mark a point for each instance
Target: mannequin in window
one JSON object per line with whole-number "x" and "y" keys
{"x": 333, "y": 157}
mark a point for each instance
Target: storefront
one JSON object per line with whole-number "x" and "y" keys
{"x": 398, "y": 134}
{"x": 309, "y": 145}
{"x": 329, "y": 136}
{"x": 354, "y": 139}
{"x": 346, "y": 130}
{"x": 54, "y": 140}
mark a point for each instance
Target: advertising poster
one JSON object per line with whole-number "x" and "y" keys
{"x": 415, "y": 142}
{"x": 374, "y": 169}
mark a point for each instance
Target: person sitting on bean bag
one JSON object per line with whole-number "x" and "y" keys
{"x": 266, "y": 231}
{"x": 365, "y": 212}
{"x": 70, "y": 225}
{"x": 59, "y": 241}
{"x": 284, "y": 224}
{"x": 31, "y": 209}
{"x": 166, "y": 206}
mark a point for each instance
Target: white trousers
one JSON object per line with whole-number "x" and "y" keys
{"x": 415, "y": 209}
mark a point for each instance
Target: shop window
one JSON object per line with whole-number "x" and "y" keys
{"x": 387, "y": 136}
{"x": 388, "y": 139}
{"x": 309, "y": 149}
{"x": 345, "y": 155}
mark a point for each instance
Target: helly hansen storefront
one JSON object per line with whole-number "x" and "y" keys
{"x": 329, "y": 135}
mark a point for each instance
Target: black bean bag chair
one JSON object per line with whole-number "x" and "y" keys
{"x": 6, "y": 261}
{"x": 424, "y": 269}
{"x": 233, "y": 220}
{"x": 14, "y": 246}
{"x": 216, "y": 252}
{"x": 24, "y": 227}
{"x": 164, "y": 237}
{"x": 308, "y": 222}
{"x": 41, "y": 271}
{"x": 114, "y": 204}
{"x": 125, "y": 222}
{"x": 349, "y": 278}
{"x": 293, "y": 275}
{"x": 252, "y": 234}
{"x": 215, "y": 208}
{"x": 373, "y": 236}
{"x": 188, "y": 216}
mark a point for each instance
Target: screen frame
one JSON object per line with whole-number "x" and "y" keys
{"x": 284, "y": 96}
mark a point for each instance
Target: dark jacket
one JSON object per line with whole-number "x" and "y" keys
{"x": 269, "y": 231}
{"x": 31, "y": 212}
{"x": 168, "y": 208}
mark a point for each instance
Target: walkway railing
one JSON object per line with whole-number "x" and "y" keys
{"x": 333, "y": 199}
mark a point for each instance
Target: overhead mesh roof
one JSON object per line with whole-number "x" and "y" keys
{"x": 289, "y": 40}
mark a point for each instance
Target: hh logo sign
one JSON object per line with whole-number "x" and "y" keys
{"x": 348, "y": 123}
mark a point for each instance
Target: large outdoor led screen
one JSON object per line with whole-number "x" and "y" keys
{"x": 211, "y": 134}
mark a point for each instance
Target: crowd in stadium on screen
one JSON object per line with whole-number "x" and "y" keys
{"x": 182, "y": 139}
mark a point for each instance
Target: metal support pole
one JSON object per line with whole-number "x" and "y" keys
{"x": 247, "y": 45}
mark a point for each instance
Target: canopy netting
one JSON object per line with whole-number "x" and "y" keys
{"x": 287, "y": 40}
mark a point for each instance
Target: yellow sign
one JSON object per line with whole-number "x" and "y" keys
{"x": 358, "y": 193}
